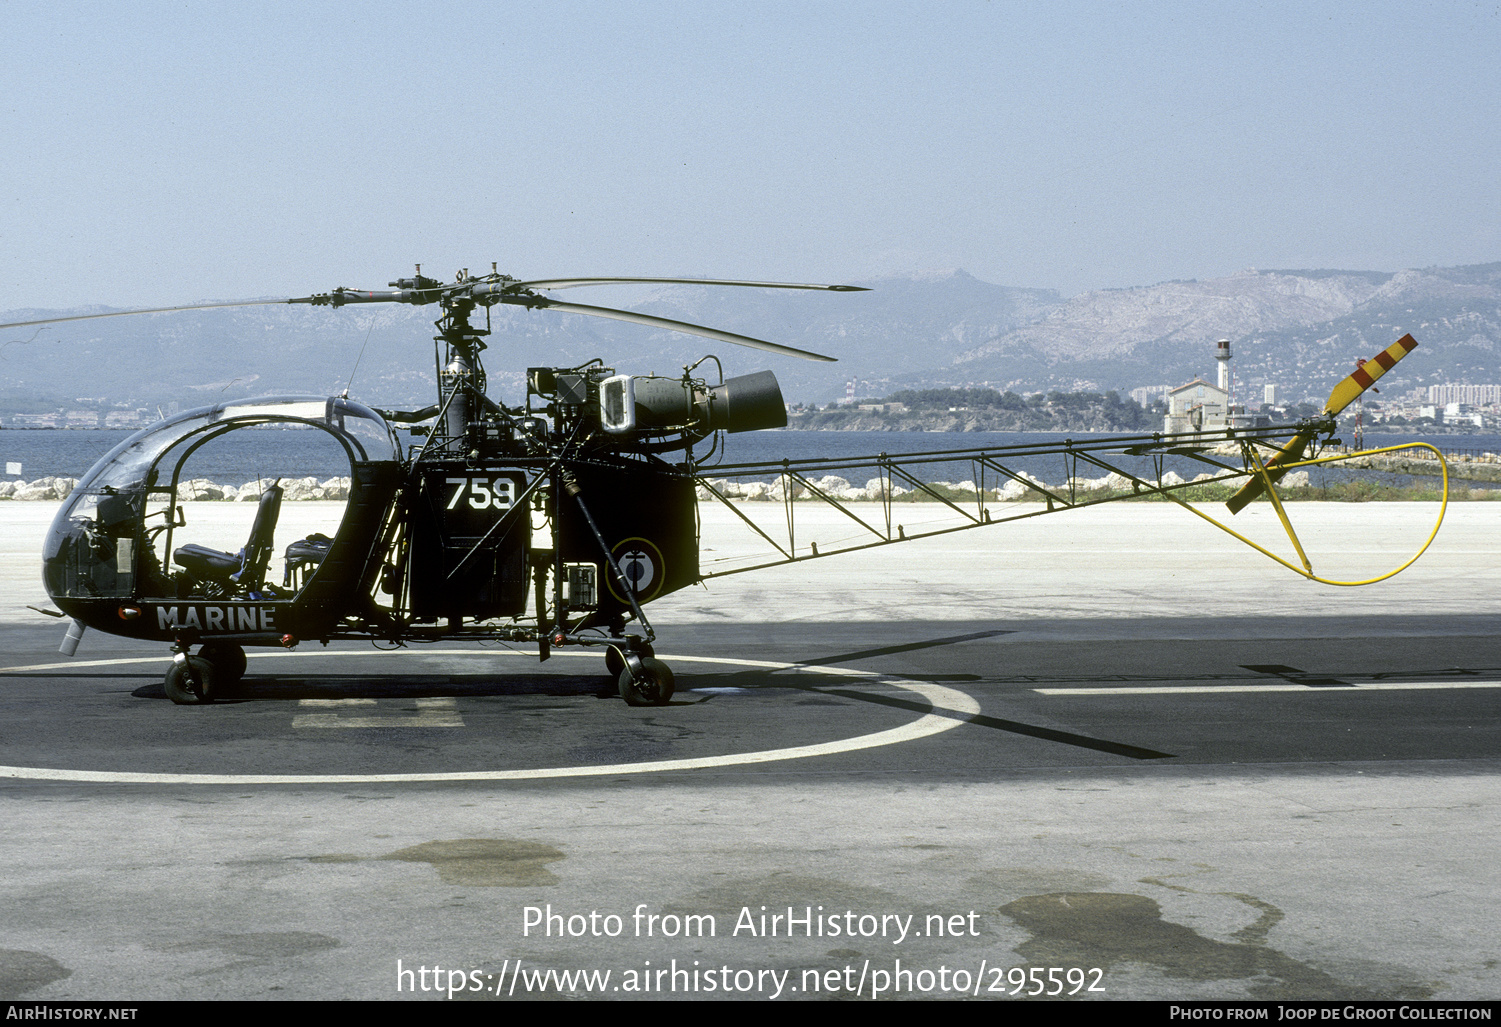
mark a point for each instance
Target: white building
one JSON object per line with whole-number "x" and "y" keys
{"x": 1196, "y": 405}
{"x": 1471, "y": 395}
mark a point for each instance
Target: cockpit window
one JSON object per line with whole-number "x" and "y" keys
{"x": 356, "y": 425}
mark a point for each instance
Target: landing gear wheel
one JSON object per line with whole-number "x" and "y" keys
{"x": 652, "y": 688}
{"x": 190, "y": 689}
{"x": 228, "y": 660}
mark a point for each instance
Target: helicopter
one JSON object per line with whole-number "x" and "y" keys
{"x": 552, "y": 522}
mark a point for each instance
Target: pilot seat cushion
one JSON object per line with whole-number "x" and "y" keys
{"x": 206, "y": 564}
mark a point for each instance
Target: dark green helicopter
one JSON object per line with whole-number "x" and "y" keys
{"x": 552, "y": 522}
{"x": 556, "y": 521}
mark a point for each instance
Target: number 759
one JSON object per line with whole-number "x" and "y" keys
{"x": 482, "y": 493}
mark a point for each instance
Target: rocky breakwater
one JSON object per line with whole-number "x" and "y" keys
{"x": 1484, "y": 467}
{"x": 832, "y": 487}
{"x": 198, "y": 490}
{"x": 1417, "y": 462}
{"x": 1029, "y": 489}
{"x": 879, "y": 490}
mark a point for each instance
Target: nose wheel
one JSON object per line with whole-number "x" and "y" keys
{"x": 196, "y": 680}
{"x": 190, "y": 681}
{"x": 643, "y": 679}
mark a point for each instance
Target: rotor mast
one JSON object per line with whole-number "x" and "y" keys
{"x": 461, "y": 379}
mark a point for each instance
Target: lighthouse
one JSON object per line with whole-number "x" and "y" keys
{"x": 1222, "y": 354}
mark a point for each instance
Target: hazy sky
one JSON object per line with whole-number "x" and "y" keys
{"x": 155, "y": 153}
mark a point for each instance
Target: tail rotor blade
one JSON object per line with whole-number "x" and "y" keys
{"x": 1290, "y": 453}
{"x": 1347, "y": 391}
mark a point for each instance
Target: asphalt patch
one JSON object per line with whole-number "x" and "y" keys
{"x": 22, "y": 971}
{"x": 485, "y": 862}
{"x": 1104, "y": 929}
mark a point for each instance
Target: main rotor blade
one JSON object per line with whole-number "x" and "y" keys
{"x": 573, "y": 283}
{"x": 150, "y": 310}
{"x": 1347, "y": 391}
{"x": 542, "y": 302}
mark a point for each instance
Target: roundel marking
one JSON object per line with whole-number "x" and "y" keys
{"x": 641, "y": 562}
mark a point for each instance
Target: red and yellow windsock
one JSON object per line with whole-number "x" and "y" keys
{"x": 1345, "y": 393}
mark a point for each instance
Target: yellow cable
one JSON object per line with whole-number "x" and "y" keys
{"x": 1443, "y": 506}
{"x": 1271, "y": 493}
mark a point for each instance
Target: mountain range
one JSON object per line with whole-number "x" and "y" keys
{"x": 1301, "y": 330}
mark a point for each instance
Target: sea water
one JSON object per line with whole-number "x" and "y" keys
{"x": 247, "y": 456}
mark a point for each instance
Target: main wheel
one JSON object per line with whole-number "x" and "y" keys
{"x": 228, "y": 660}
{"x": 615, "y": 663}
{"x": 653, "y": 688}
{"x": 190, "y": 691}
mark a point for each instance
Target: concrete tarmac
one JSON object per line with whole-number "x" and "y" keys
{"x": 975, "y": 839}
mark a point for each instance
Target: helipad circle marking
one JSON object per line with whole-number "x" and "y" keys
{"x": 938, "y": 696}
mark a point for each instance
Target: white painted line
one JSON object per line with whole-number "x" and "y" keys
{"x": 1285, "y": 686}
{"x": 938, "y": 696}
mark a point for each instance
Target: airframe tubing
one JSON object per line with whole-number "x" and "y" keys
{"x": 1144, "y": 486}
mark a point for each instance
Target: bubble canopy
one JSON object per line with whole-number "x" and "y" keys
{"x": 110, "y": 500}
{"x": 364, "y": 434}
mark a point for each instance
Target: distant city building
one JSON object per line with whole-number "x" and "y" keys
{"x": 1269, "y": 395}
{"x": 127, "y": 419}
{"x": 1149, "y": 394}
{"x": 1472, "y": 395}
{"x": 1196, "y": 405}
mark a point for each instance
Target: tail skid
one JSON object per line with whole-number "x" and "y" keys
{"x": 1265, "y": 476}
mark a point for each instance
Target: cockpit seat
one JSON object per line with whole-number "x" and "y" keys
{"x": 304, "y": 557}
{"x": 207, "y": 564}
{"x": 247, "y": 568}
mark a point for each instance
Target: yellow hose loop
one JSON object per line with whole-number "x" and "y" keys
{"x": 1316, "y": 461}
